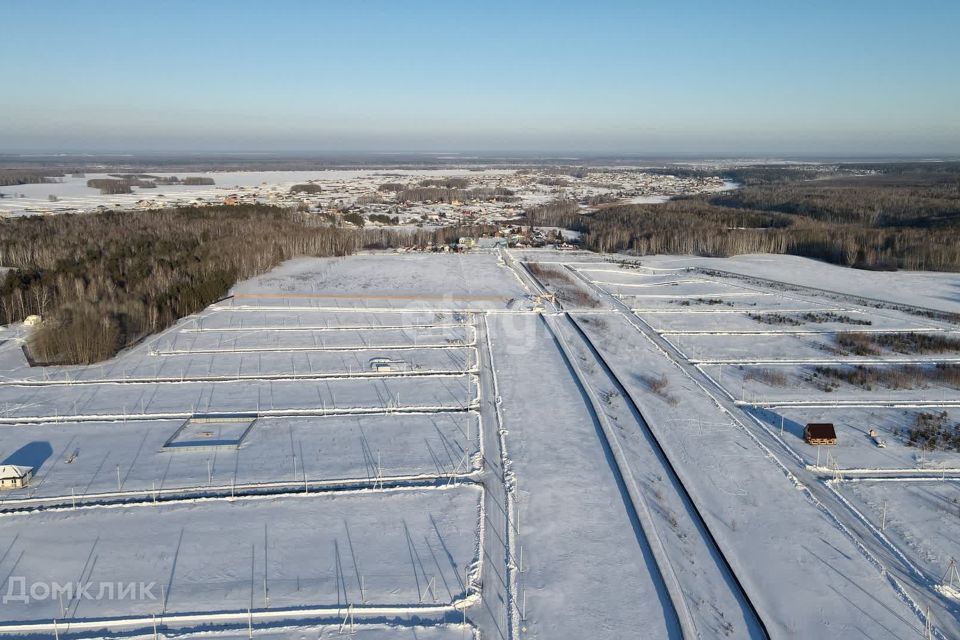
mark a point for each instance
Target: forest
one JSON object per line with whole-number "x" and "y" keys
{"x": 123, "y": 183}
{"x": 13, "y": 177}
{"x": 904, "y": 219}
{"x": 308, "y": 188}
{"x": 103, "y": 281}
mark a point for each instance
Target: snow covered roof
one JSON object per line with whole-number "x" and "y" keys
{"x": 8, "y": 471}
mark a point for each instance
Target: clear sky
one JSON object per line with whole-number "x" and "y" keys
{"x": 696, "y": 76}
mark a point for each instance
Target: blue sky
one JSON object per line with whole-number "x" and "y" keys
{"x": 771, "y": 76}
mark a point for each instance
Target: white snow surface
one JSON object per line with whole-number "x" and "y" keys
{"x": 529, "y": 505}
{"x": 936, "y": 290}
{"x": 209, "y": 555}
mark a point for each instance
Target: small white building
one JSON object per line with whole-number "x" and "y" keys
{"x": 14, "y": 477}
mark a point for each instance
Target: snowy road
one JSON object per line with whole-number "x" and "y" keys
{"x": 712, "y": 586}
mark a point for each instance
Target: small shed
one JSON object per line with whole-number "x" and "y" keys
{"x": 820, "y": 433}
{"x": 14, "y": 477}
{"x": 381, "y": 365}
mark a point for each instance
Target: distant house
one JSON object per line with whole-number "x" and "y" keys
{"x": 14, "y": 477}
{"x": 820, "y": 433}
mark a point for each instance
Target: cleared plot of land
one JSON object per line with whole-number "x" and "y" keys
{"x": 611, "y": 274}
{"x": 776, "y": 346}
{"x": 411, "y": 281}
{"x": 402, "y": 547}
{"x": 855, "y": 449}
{"x": 236, "y": 319}
{"x": 748, "y": 348}
{"x": 806, "y": 384}
{"x": 681, "y": 288}
{"x": 923, "y": 518}
{"x": 82, "y": 459}
{"x": 173, "y": 399}
{"x": 225, "y": 341}
{"x": 929, "y": 289}
{"x": 267, "y": 364}
{"x": 225, "y": 432}
{"x": 825, "y": 319}
{"x": 749, "y": 302}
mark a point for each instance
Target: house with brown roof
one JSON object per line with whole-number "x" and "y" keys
{"x": 820, "y": 433}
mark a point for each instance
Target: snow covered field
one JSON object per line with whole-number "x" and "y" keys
{"x": 416, "y": 281}
{"x": 417, "y": 446}
{"x": 313, "y": 423}
{"x": 765, "y": 320}
{"x": 927, "y": 289}
{"x": 282, "y": 363}
{"x": 403, "y": 547}
{"x": 129, "y": 458}
{"x": 922, "y": 517}
{"x": 44, "y": 403}
{"x": 271, "y": 340}
{"x": 369, "y": 632}
{"x": 855, "y": 449}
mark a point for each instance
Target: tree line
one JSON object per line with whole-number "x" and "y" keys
{"x": 307, "y": 187}
{"x": 13, "y": 177}
{"x": 446, "y": 183}
{"x": 124, "y": 183}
